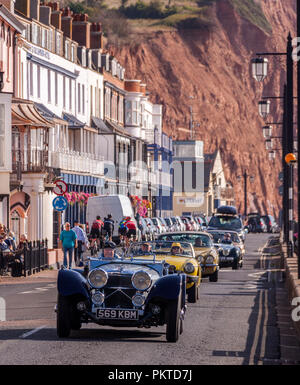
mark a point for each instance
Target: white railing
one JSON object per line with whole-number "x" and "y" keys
{"x": 75, "y": 161}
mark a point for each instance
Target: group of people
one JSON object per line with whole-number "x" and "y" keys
{"x": 11, "y": 252}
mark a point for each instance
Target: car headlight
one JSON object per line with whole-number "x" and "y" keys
{"x": 98, "y": 278}
{"x": 98, "y": 298}
{"x": 138, "y": 300}
{"x": 210, "y": 259}
{"x": 141, "y": 280}
{"x": 189, "y": 268}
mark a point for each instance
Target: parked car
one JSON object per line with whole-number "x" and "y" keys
{"x": 204, "y": 249}
{"x": 202, "y": 223}
{"x": 158, "y": 225}
{"x": 194, "y": 223}
{"x": 180, "y": 222}
{"x": 188, "y": 224}
{"x": 272, "y": 226}
{"x": 230, "y": 252}
{"x": 256, "y": 224}
{"x": 164, "y": 224}
{"x": 170, "y": 224}
{"x": 122, "y": 293}
{"x": 184, "y": 261}
{"x": 152, "y": 228}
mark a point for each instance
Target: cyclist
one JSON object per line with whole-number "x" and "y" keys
{"x": 108, "y": 227}
{"x": 95, "y": 234}
{"x": 122, "y": 231}
{"x": 131, "y": 230}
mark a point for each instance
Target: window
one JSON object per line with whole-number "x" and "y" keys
{"x": 49, "y": 40}
{"x": 64, "y": 92}
{"x": 49, "y": 86}
{"x": 31, "y": 78}
{"x": 44, "y": 38}
{"x": 67, "y": 48}
{"x": 128, "y": 111}
{"x": 107, "y": 102}
{"x": 70, "y": 93}
{"x": 34, "y": 32}
{"x": 2, "y": 135}
{"x": 91, "y": 100}
{"x": 83, "y": 100}
{"x": 38, "y": 81}
{"x": 79, "y": 98}
{"x": 73, "y": 53}
{"x": 58, "y": 43}
{"x": 56, "y": 88}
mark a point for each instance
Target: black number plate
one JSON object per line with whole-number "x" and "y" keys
{"x": 119, "y": 314}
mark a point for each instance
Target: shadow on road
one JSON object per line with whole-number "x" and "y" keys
{"x": 49, "y": 334}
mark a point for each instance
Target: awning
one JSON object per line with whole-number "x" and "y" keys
{"x": 101, "y": 126}
{"x": 73, "y": 121}
{"x": 49, "y": 115}
{"x": 26, "y": 114}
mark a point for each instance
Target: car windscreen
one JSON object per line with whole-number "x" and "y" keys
{"x": 218, "y": 237}
{"x": 225, "y": 222}
{"x": 160, "y": 247}
{"x": 197, "y": 240}
{"x": 155, "y": 221}
{"x": 168, "y": 221}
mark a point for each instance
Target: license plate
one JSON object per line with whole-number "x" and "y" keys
{"x": 119, "y": 314}
{"x": 226, "y": 259}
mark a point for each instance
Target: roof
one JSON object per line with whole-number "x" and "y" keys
{"x": 25, "y": 113}
{"x": 101, "y": 126}
{"x": 11, "y": 19}
{"x": 73, "y": 121}
{"x": 48, "y": 114}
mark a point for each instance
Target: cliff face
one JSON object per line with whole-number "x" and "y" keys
{"x": 214, "y": 68}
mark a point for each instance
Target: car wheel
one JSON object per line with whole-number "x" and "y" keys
{"x": 63, "y": 320}
{"x": 214, "y": 277}
{"x": 235, "y": 265}
{"x": 173, "y": 321}
{"x": 192, "y": 293}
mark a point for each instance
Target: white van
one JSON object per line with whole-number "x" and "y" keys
{"x": 119, "y": 206}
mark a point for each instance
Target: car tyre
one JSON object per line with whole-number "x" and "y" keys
{"x": 173, "y": 321}
{"x": 192, "y": 293}
{"x": 214, "y": 277}
{"x": 63, "y": 320}
{"x": 235, "y": 265}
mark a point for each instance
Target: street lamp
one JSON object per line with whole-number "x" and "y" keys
{"x": 259, "y": 68}
{"x": 264, "y": 108}
{"x": 267, "y": 132}
{"x": 245, "y": 176}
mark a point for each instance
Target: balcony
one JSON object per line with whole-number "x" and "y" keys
{"x": 77, "y": 162}
{"x": 32, "y": 160}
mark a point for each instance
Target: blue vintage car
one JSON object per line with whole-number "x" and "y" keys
{"x": 121, "y": 292}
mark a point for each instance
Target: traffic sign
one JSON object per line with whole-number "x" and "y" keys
{"x": 59, "y": 203}
{"x": 60, "y": 187}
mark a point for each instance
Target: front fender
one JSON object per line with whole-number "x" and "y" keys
{"x": 71, "y": 282}
{"x": 168, "y": 287}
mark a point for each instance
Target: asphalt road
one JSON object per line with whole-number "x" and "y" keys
{"x": 234, "y": 322}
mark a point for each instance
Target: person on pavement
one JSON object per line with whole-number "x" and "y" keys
{"x": 81, "y": 241}
{"x": 68, "y": 240}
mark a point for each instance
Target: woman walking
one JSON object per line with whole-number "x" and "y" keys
{"x": 68, "y": 240}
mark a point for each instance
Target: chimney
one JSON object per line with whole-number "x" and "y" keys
{"x": 132, "y": 85}
{"x": 23, "y": 6}
{"x": 66, "y": 22}
{"x": 81, "y": 29}
{"x": 45, "y": 14}
{"x": 143, "y": 89}
{"x": 96, "y": 36}
{"x": 35, "y": 9}
{"x": 55, "y": 14}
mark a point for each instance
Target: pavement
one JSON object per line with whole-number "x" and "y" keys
{"x": 243, "y": 319}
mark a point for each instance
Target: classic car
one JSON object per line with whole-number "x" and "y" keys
{"x": 230, "y": 252}
{"x": 204, "y": 249}
{"x": 179, "y": 255}
{"x": 121, "y": 292}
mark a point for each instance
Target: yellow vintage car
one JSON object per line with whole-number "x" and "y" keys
{"x": 180, "y": 257}
{"x": 205, "y": 251}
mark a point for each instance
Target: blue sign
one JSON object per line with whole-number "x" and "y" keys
{"x": 60, "y": 203}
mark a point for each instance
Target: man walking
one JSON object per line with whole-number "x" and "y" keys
{"x": 81, "y": 240}
{"x": 68, "y": 240}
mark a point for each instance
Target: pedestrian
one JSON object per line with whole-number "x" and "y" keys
{"x": 68, "y": 241}
{"x": 82, "y": 242}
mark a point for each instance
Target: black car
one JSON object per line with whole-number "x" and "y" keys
{"x": 256, "y": 224}
{"x": 227, "y": 218}
{"x": 272, "y": 226}
{"x": 121, "y": 293}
